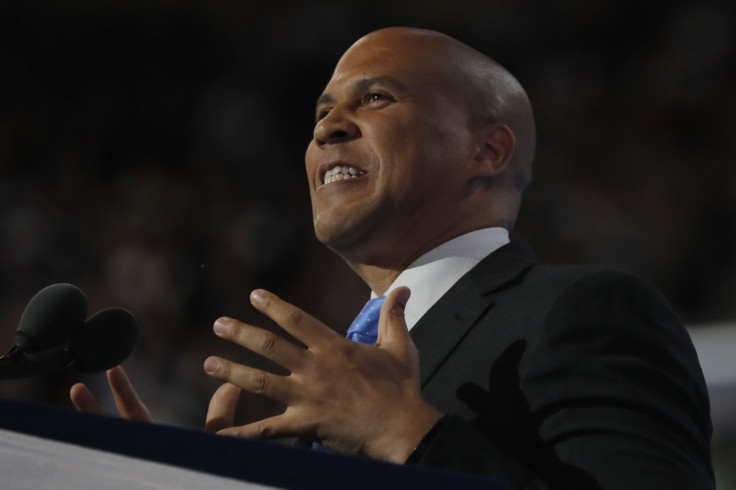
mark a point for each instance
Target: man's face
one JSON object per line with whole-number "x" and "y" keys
{"x": 385, "y": 165}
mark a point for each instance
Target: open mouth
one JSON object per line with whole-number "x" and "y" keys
{"x": 341, "y": 172}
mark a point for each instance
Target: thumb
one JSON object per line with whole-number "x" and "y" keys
{"x": 83, "y": 399}
{"x": 391, "y": 324}
{"x": 221, "y": 411}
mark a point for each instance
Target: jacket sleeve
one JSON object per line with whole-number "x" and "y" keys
{"x": 616, "y": 392}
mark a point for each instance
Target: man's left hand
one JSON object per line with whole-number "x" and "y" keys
{"x": 350, "y": 397}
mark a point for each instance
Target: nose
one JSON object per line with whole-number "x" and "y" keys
{"x": 335, "y": 127}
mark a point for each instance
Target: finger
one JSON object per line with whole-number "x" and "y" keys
{"x": 83, "y": 399}
{"x": 270, "y": 385}
{"x": 273, "y": 427}
{"x": 301, "y": 325}
{"x": 221, "y": 411}
{"x": 260, "y": 341}
{"x": 392, "y": 328}
{"x": 127, "y": 401}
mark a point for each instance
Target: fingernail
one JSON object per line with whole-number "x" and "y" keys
{"x": 211, "y": 365}
{"x": 221, "y": 326}
{"x": 403, "y": 296}
{"x": 256, "y": 297}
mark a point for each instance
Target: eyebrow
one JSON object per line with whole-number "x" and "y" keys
{"x": 361, "y": 86}
{"x": 324, "y": 99}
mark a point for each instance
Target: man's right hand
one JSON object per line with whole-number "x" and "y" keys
{"x": 220, "y": 414}
{"x": 127, "y": 401}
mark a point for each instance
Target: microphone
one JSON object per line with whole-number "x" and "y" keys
{"x": 53, "y": 336}
{"x": 55, "y": 314}
{"x": 105, "y": 340}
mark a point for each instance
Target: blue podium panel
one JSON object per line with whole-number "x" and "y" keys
{"x": 264, "y": 464}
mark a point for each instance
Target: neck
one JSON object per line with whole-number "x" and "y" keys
{"x": 380, "y": 262}
{"x": 377, "y": 278}
{"x": 380, "y": 270}
{"x": 379, "y": 275}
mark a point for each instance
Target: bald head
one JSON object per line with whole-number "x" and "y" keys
{"x": 485, "y": 88}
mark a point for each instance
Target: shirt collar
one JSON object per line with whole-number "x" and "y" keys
{"x": 431, "y": 275}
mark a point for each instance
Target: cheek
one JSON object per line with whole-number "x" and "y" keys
{"x": 311, "y": 162}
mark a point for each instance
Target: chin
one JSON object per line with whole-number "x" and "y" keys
{"x": 343, "y": 240}
{"x": 332, "y": 238}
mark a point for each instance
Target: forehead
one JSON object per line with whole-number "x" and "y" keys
{"x": 402, "y": 64}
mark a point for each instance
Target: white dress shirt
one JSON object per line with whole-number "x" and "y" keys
{"x": 432, "y": 274}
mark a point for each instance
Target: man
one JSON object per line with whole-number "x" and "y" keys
{"x": 541, "y": 376}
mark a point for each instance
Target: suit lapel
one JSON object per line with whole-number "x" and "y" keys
{"x": 449, "y": 320}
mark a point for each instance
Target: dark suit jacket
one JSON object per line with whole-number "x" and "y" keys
{"x": 568, "y": 377}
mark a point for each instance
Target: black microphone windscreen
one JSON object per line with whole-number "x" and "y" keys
{"x": 52, "y": 317}
{"x": 104, "y": 341}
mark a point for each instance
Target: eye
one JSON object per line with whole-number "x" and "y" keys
{"x": 375, "y": 98}
{"x": 321, "y": 114}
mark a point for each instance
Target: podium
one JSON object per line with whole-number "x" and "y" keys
{"x": 55, "y": 447}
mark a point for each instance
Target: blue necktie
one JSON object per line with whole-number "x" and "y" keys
{"x": 364, "y": 329}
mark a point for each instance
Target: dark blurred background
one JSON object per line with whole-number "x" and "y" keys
{"x": 151, "y": 152}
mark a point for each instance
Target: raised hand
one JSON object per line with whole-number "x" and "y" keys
{"x": 128, "y": 403}
{"x": 350, "y": 397}
{"x": 219, "y": 415}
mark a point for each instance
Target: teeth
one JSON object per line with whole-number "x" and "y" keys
{"x": 342, "y": 172}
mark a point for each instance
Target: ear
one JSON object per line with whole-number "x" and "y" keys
{"x": 496, "y": 145}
